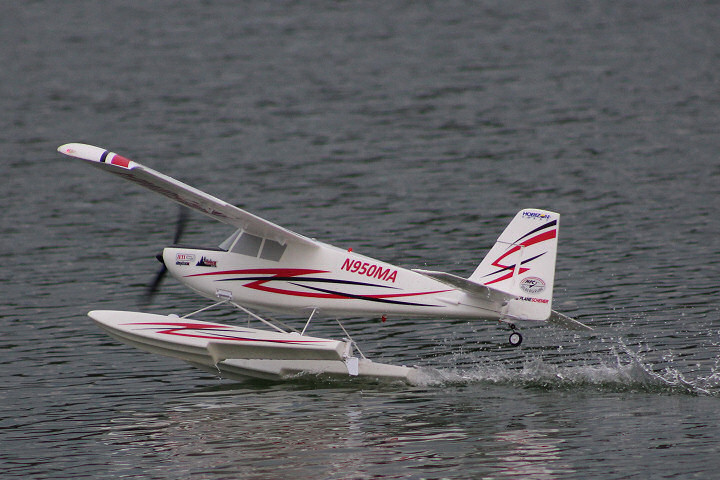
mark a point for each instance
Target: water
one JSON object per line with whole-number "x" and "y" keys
{"x": 411, "y": 133}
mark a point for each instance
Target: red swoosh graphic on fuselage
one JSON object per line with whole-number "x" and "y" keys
{"x": 285, "y": 273}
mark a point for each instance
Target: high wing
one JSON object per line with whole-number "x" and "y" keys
{"x": 183, "y": 194}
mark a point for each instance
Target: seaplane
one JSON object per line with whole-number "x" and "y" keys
{"x": 263, "y": 266}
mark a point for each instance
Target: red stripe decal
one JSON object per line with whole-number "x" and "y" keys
{"x": 531, "y": 241}
{"x": 295, "y": 272}
{"x": 278, "y": 272}
{"x": 120, "y": 161}
{"x": 177, "y": 329}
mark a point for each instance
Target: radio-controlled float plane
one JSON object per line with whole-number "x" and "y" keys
{"x": 267, "y": 267}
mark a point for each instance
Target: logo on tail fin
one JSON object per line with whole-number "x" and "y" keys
{"x": 532, "y": 285}
{"x": 536, "y": 215}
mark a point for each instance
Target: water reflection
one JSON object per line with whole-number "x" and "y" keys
{"x": 253, "y": 436}
{"x": 325, "y": 434}
{"x": 531, "y": 454}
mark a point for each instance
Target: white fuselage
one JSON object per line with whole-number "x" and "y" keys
{"x": 330, "y": 280}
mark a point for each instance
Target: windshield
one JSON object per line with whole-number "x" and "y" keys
{"x": 247, "y": 244}
{"x": 227, "y": 243}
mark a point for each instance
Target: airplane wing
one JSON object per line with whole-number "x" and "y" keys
{"x": 182, "y": 193}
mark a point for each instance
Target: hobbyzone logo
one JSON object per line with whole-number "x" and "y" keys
{"x": 206, "y": 262}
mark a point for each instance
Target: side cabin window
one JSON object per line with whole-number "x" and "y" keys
{"x": 255, "y": 246}
{"x": 272, "y": 250}
{"x": 247, "y": 245}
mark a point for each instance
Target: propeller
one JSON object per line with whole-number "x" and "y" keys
{"x": 153, "y": 287}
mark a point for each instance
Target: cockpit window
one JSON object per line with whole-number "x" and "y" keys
{"x": 272, "y": 250}
{"x": 248, "y": 245}
{"x": 252, "y": 245}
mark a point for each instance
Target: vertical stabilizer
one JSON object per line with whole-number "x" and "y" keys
{"x": 522, "y": 263}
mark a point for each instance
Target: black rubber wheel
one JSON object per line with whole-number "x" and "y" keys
{"x": 515, "y": 339}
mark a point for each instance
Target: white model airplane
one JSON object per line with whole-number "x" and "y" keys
{"x": 265, "y": 266}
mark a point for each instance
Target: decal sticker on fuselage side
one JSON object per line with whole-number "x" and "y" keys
{"x": 298, "y": 284}
{"x": 206, "y": 262}
{"x": 184, "y": 258}
{"x": 370, "y": 269}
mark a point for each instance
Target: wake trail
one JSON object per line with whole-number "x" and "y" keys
{"x": 622, "y": 370}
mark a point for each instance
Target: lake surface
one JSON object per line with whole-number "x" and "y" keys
{"x": 411, "y": 133}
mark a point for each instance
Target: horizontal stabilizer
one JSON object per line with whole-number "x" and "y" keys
{"x": 560, "y": 320}
{"x": 468, "y": 286}
{"x": 498, "y": 298}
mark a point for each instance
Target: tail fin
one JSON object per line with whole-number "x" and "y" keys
{"x": 522, "y": 263}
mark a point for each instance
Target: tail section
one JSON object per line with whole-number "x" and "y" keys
{"x": 522, "y": 263}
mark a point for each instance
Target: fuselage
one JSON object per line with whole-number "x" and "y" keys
{"x": 263, "y": 274}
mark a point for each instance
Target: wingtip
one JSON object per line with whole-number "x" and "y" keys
{"x": 83, "y": 151}
{"x": 67, "y": 149}
{"x": 95, "y": 154}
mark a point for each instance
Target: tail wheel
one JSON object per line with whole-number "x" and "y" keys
{"x": 515, "y": 339}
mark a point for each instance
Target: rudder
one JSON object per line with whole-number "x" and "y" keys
{"x": 522, "y": 263}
